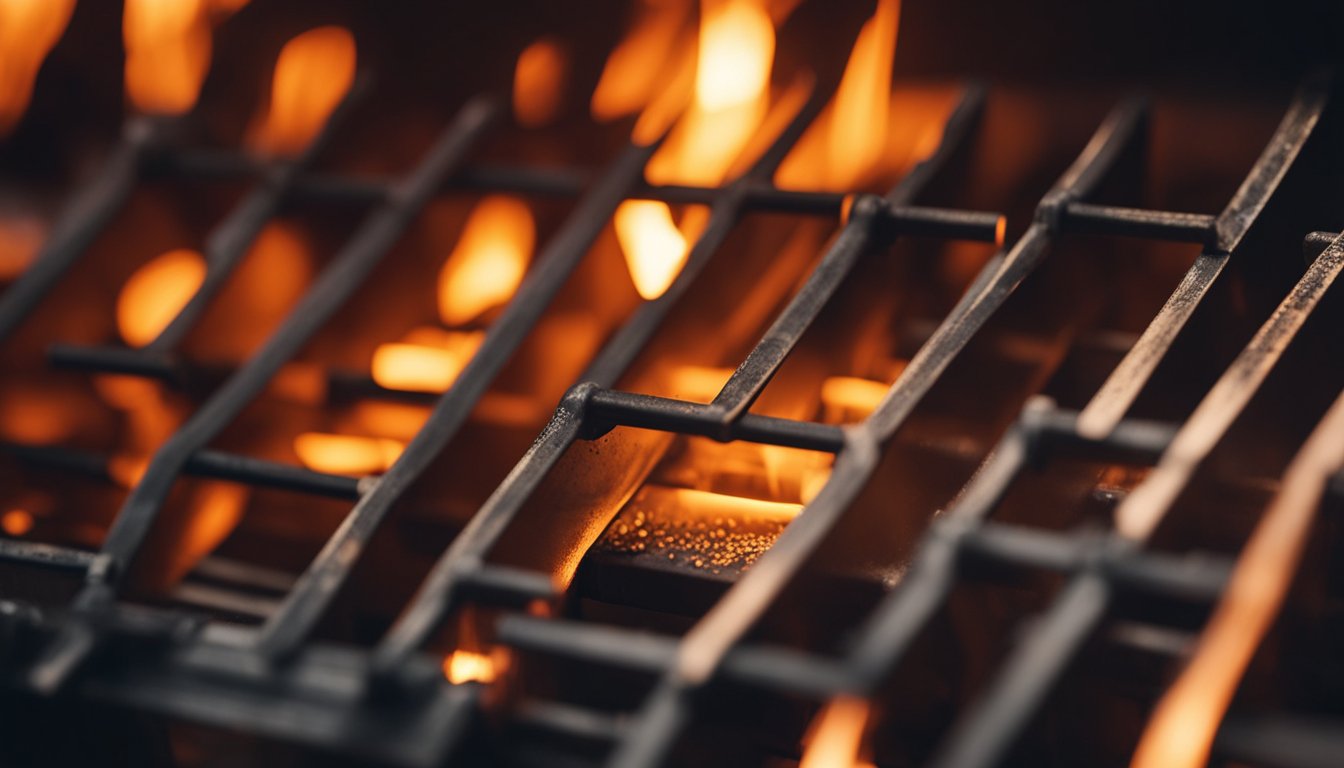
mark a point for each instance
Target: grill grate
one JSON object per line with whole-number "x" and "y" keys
{"x": 392, "y": 703}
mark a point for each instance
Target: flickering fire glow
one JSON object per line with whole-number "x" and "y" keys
{"x": 28, "y": 31}
{"x": 488, "y": 264}
{"x": 314, "y": 72}
{"x": 155, "y": 293}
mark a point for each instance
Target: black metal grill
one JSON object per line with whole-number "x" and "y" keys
{"x": 390, "y": 702}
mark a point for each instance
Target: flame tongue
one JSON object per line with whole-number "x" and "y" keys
{"x": 312, "y": 75}
{"x": 731, "y": 97}
{"x": 28, "y": 30}
{"x": 167, "y": 53}
{"x": 489, "y": 261}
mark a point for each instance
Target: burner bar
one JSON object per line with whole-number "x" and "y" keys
{"x": 1089, "y": 219}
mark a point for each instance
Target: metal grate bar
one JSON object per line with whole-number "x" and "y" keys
{"x": 336, "y": 283}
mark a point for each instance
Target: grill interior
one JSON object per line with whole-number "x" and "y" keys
{"x": 1018, "y": 445}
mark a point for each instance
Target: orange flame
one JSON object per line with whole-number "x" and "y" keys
{"x": 346, "y": 454}
{"x": 837, "y": 734}
{"x": 849, "y": 398}
{"x": 312, "y": 75}
{"x": 731, "y": 97}
{"x": 847, "y": 143}
{"x": 489, "y": 261}
{"x": 28, "y": 30}
{"x": 635, "y": 68}
{"x": 430, "y": 364}
{"x": 167, "y": 53}
{"x": 155, "y": 293}
{"x": 538, "y": 82}
{"x": 469, "y": 667}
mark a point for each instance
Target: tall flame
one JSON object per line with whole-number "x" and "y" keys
{"x": 28, "y": 30}
{"x": 155, "y": 293}
{"x": 837, "y": 734}
{"x": 489, "y": 261}
{"x": 847, "y": 142}
{"x": 312, "y": 75}
{"x": 538, "y": 82}
{"x": 167, "y": 53}
{"x": 730, "y": 99}
{"x": 633, "y": 70}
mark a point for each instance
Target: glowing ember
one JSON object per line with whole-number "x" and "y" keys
{"x": 312, "y": 75}
{"x": 837, "y": 734}
{"x": 167, "y": 53}
{"x": 28, "y": 30}
{"x": 538, "y": 83}
{"x": 489, "y": 261}
{"x": 425, "y": 367}
{"x": 654, "y": 248}
{"x": 17, "y": 522}
{"x": 155, "y": 293}
{"x": 346, "y": 454}
{"x": 468, "y": 667}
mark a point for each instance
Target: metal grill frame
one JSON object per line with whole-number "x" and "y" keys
{"x": 282, "y": 684}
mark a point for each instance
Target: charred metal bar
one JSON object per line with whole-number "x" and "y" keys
{"x": 1315, "y": 243}
{"x": 45, "y": 555}
{"x": 1122, "y": 387}
{"x": 336, "y": 283}
{"x": 1089, "y": 219}
{"x": 87, "y": 215}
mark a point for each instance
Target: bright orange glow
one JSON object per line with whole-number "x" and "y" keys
{"x": 346, "y": 454}
{"x": 849, "y": 398}
{"x": 215, "y": 511}
{"x": 697, "y": 383}
{"x": 167, "y": 53}
{"x": 837, "y": 734}
{"x": 708, "y": 504}
{"x": 468, "y": 667}
{"x": 489, "y": 261}
{"x": 1182, "y": 728}
{"x": 731, "y": 97}
{"x": 17, "y": 522}
{"x": 425, "y": 367}
{"x": 312, "y": 75}
{"x": 126, "y": 470}
{"x": 258, "y": 295}
{"x": 155, "y": 293}
{"x": 638, "y": 64}
{"x": 848, "y": 142}
{"x": 28, "y": 30}
{"x": 538, "y": 82}
{"x": 655, "y": 250}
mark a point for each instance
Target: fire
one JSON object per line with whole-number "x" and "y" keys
{"x": 155, "y": 293}
{"x": 430, "y": 364}
{"x": 469, "y": 667}
{"x": 849, "y": 140}
{"x": 837, "y": 734}
{"x": 709, "y": 504}
{"x": 347, "y": 454}
{"x": 731, "y": 98}
{"x": 312, "y": 75}
{"x": 28, "y": 30}
{"x": 17, "y": 522}
{"x": 489, "y": 261}
{"x": 654, "y": 248}
{"x": 167, "y": 53}
{"x": 849, "y": 398}
{"x": 635, "y": 68}
{"x": 538, "y": 83}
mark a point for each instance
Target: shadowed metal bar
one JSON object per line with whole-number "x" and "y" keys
{"x": 1111, "y": 220}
